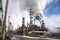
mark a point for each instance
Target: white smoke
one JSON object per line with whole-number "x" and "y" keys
{"x": 27, "y": 4}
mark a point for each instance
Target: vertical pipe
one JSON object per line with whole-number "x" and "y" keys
{"x": 8, "y": 23}
{"x": 4, "y": 22}
{"x": 34, "y": 21}
{"x": 23, "y": 25}
{"x": 27, "y": 27}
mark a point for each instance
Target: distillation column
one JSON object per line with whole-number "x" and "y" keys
{"x": 23, "y": 25}
{"x": 31, "y": 17}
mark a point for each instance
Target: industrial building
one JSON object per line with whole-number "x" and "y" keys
{"x": 31, "y": 28}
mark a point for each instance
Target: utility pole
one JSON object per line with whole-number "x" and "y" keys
{"x": 4, "y": 21}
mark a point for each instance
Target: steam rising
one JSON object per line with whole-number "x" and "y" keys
{"x": 27, "y": 4}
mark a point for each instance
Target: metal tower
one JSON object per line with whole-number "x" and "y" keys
{"x": 31, "y": 16}
{"x": 23, "y": 25}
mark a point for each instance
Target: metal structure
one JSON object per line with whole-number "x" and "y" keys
{"x": 43, "y": 26}
{"x": 37, "y": 17}
{"x": 10, "y": 27}
{"x": 8, "y": 23}
{"x": 27, "y": 26}
{"x": 23, "y": 22}
{"x": 4, "y": 21}
{"x": 23, "y": 25}
{"x": 31, "y": 16}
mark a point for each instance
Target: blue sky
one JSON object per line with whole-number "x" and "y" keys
{"x": 52, "y": 8}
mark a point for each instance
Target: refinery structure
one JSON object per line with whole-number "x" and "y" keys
{"x": 32, "y": 27}
{"x": 31, "y": 30}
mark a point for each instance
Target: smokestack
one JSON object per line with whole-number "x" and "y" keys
{"x": 23, "y": 22}
{"x": 31, "y": 16}
{"x": 43, "y": 23}
{"x": 23, "y": 25}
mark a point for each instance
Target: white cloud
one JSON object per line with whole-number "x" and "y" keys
{"x": 52, "y": 22}
{"x": 42, "y": 4}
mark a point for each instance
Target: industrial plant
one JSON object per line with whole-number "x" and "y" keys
{"x": 28, "y": 30}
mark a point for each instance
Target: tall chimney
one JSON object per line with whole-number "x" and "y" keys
{"x": 23, "y": 25}
{"x": 23, "y": 22}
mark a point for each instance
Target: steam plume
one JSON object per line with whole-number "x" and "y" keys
{"x": 26, "y": 4}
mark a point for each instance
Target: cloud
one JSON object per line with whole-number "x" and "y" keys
{"x": 52, "y": 22}
{"x": 43, "y": 3}
{"x": 27, "y": 4}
